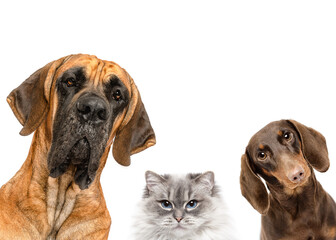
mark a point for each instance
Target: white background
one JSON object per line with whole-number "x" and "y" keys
{"x": 211, "y": 74}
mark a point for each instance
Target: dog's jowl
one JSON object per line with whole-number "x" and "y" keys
{"x": 285, "y": 153}
{"x": 78, "y": 107}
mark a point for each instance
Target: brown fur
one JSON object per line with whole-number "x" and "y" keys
{"x": 292, "y": 209}
{"x": 34, "y": 205}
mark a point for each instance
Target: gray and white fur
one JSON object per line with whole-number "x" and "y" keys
{"x": 187, "y": 207}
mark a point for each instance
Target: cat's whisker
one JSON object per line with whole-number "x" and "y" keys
{"x": 181, "y": 207}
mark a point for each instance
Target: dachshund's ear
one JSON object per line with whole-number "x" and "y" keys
{"x": 29, "y": 100}
{"x": 252, "y": 187}
{"x": 135, "y": 133}
{"x": 313, "y": 145}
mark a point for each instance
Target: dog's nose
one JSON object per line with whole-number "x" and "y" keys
{"x": 296, "y": 175}
{"x": 93, "y": 109}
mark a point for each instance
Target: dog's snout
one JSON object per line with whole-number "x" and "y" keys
{"x": 296, "y": 175}
{"x": 92, "y": 109}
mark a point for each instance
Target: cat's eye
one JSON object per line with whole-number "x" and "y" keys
{"x": 191, "y": 204}
{"x": 165, "y": 204}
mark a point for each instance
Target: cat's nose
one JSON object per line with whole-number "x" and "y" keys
{"x": 178, "y": 219}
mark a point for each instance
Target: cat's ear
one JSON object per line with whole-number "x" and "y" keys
{"x": 154, "y": 182}
{"x": 206, "y": 180}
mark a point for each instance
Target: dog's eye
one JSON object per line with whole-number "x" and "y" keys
{"x": 262, "y": 155}
{"x": 70, "y": 82}
{"x": 288, "y": 136}
{"x": 116, "y": 95}
{"x": 191, "y": 204}
{"x": 165, "y": 204}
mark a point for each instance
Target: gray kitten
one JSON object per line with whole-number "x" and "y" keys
{"x": 185, "y": 207}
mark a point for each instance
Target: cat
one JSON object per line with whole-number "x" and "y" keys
{"x": 187, "y": 207}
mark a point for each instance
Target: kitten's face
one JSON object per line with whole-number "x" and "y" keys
{"x": 179, "y": 205}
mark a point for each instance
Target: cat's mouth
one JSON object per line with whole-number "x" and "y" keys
{"x": 180, "y": 227}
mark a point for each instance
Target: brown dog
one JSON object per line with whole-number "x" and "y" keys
{"x": 284, "y": 154}
{"x": 76, "y": 105}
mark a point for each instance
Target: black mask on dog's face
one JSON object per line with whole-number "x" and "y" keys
{"x": 81, "y": 105}
{"x": 83, "y": 123}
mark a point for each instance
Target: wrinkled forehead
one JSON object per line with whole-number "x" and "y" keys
{"x": 96, "y": 70}
{"x": 269, "y": 134}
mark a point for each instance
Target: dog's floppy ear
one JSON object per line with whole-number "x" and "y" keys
{"x": 314, "y": 146}
{"x": 135, "y": 133}
{"x": 252, "y": 188}
{"x": 29, "y": 101}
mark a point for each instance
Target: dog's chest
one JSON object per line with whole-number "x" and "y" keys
{"x": 61, "y": 198}
{"x": 311, "y": 235}
{"x": 304, "y": 228}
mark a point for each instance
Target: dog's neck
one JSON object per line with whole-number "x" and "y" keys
{"x": 298, "y": 200}
{"x": 56, "y": 196}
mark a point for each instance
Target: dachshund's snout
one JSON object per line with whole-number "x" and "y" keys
{"x": 296, "y": 175}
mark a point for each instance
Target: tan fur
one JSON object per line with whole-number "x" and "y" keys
{"x": 331, "y": 232}
{"x": 36, "y": 206}
{"x": 285, "y": 165}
